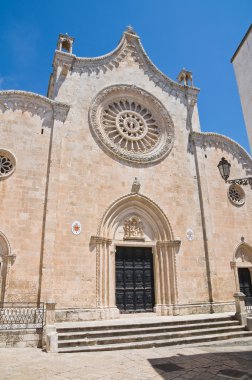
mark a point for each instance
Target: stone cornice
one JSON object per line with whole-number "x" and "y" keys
{"x": 208, "y": 140}
{"x": 129, "y": 45}
{"x": 36, "y": 104}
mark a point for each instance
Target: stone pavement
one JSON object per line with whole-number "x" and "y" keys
{"x": 220, "y": 361}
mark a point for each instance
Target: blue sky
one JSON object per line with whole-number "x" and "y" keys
{"x": 198, "y": 35}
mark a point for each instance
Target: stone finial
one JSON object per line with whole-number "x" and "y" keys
{"x": 135, "y": 186}
{"x": 242, "y": 239}
{"x": 185, "y": 77}
{"x": 65, "y": 43}
{"x": 130, "y": 29}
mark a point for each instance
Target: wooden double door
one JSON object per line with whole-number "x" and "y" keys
{"x": 134, "y": 279}
{"x": 245, "y": 284}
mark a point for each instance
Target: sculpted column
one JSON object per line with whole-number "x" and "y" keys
{"x": 105, "y": 281}
{"x": 165, "y": 277}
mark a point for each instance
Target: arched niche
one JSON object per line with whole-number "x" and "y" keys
{"x": 157, "y": 234}
{"x": 6, "y": 260}
{"x": 243, "y": 254}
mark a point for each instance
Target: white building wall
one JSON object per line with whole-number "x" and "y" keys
{"x": 242, "y": 62}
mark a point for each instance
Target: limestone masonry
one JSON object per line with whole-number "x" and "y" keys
{"x": 110, "y": 196}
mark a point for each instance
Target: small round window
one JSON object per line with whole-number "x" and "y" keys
{"x": 236, "y": 195}
{"x": 7, "y": 164}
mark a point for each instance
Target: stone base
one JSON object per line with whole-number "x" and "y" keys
{"x": 163, "y": 310}
{"x": 74, "y": 315}
{"x": 21, "y": 338}
{"x": 249, "y": 323}
{"x": 204, "y": 308}
{"x": 50, "y": 338}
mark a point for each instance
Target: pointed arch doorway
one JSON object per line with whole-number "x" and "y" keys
{"x": 135, "y": 259}
{"x": 242, "y": 265}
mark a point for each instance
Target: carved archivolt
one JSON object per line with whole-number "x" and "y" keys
{"x": 36, "y": 104}
{"x": 156, "y": 218}
{"x": 243, "y": 254}
{"x": 132, "y": 124}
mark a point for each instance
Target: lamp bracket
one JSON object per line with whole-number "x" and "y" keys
{"x": 241, "y": 181}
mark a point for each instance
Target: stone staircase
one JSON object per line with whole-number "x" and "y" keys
{"x": 147, "y": 332}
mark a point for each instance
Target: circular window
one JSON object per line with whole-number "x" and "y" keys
{"x": 7, "y": 164}
{"x": 132, "y": 124}
{"x": 236, "y": 195}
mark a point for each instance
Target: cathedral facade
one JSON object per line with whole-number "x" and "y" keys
{"x": 111, "y": 198}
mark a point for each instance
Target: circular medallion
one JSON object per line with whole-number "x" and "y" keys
{"x": 190, "y": 234}
{"x": 132, "y": 124}
{"x": 76, "y": 228}
{"x": 7, "y": 163}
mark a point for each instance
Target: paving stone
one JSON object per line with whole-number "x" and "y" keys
{"x": 202, "y": 363}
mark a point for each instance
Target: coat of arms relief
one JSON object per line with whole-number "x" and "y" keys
{"x": 133, "y": 229}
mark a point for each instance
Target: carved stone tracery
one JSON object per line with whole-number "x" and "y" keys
{"x": 132, "y": 124}
{"x": 236, "y": 194}
{"x": 7, "y": 164}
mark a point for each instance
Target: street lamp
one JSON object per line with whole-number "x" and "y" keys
{"x": 224, "y": 168}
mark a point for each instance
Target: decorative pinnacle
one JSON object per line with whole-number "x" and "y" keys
{"x": 130, "y": 29}
{"x": 185, "y": 77}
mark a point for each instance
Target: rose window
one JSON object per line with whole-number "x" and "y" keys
{"x": 236, "y": 194}
{"x": 7, "y": 164}
{"x": 130, "y": 123}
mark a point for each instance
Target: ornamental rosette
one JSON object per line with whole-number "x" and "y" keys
{"x": 131, "y": 124}
{"x": 7, "y": 164}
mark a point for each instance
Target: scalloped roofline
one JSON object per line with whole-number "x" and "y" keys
{"x": 218, "y": 138}
{"x": 228, "y": 139}
{"x": 129, "y": 42}
{"x": 34, "y": 103}
{"x": 33, "y": 95}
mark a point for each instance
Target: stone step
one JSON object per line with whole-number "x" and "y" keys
{"x": 147, "y": 337}
{"x": 158, "y": 343}
{"x": 129, "y": 325}
{"x": 141, "y": 330}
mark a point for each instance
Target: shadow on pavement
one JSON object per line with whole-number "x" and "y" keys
{"x": 218, "y": 366}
